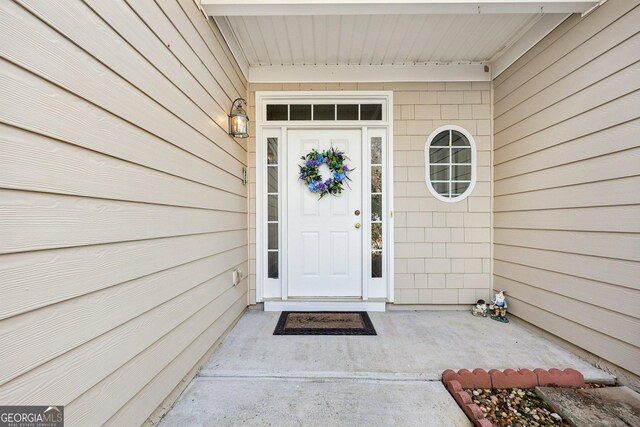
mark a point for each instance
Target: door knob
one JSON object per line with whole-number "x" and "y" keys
{"x": 357, "y": 225}
{"x": 357, "y": 212}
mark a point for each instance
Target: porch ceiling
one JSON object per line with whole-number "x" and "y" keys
{"x": 316, "y": 40}
{"x": 376, "y": 39}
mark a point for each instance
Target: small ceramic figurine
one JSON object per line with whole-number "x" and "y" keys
{"x": 498, "y": 308}
{"x": 480, "y": 309}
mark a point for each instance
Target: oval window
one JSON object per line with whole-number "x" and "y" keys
{"x": 450, "y": 163}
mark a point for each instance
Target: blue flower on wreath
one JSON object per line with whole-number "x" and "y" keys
{"x": 310, "y": 174}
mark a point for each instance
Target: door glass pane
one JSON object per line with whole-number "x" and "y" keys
{"x": 299, "y": 112}
{"x": 376, "y": 236}
{"x": 272, "y": 262}
{"x": 272, "y": 151}
{"x": 461, "y": 172}
{"x": 439, "y": 172}
{"x": 324, "y": 112}
{"x": 461, "y": 155}
{"x": 439, "y": 155}
{"x": 347, "y": 111}
{"x": 376, "y": 179}
{"x": 272, "y": 203}
{"x": 273, "y": 236}
{"x": 277, "y": 112}
{"x": 272, "y": 179}
{"x": 441, "y": 139}
{"x": 376, "y": 264}
{"x": 370, "y": 111}
{"x": 376, "y": 207}
{"x": 376, "y": 150}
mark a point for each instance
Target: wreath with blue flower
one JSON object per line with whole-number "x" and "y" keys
{"x": 310, "y": 171}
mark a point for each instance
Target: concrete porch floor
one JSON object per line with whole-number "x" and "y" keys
{"x": 256, "y": 378}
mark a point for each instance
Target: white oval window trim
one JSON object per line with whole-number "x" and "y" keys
{"x": 427, "y": 171}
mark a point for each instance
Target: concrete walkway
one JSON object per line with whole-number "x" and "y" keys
{"x": 256, "y": 378}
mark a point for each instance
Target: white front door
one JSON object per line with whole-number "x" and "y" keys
{"x": 324, "y": 238}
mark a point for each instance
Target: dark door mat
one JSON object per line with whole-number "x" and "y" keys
{"x": 324, "y": 323}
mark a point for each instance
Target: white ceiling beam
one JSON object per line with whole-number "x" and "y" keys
{"x": 530, "y": 38}
{"x": 382, "y": 7}
{"x": 368, "y": 73}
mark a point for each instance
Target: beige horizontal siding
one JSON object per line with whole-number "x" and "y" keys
{"x": 178, "y": 367}
{"x": 36, "y": 221}
{"x": 608, "y": 245}
{"x": 571, "y": 34}
{"x": 38, "y": 163}
{"x": 122, "y": 208}
{"x": 94, "y": 314}
{"x": 607, "y": 270}
{"x": 39, "y": 106}
{"x": 605, "y": 346}
{"x": 612, "y": 297}
{"x": 567, "y": 183}
{"x": 73, "y": 271}
{"x": 612, "y": 191}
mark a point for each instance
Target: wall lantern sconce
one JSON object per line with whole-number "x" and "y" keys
{"x": 238, "y": 120}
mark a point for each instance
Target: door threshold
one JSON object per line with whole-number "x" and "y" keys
{"x": 318, "y": 305}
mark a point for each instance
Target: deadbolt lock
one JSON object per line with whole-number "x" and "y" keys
{"x": 357, "y": 212}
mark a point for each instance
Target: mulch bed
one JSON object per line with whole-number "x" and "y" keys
{"x": 514, "y": 408}
{"x": 507, "y": 398}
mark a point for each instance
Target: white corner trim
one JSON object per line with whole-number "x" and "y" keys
{"x": 384, "y": 7}
{"x": 368, "y": 73}
{"x": 530, "y": 38}
{"x": 234, "y": 45}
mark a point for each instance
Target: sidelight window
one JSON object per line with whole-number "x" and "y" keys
{"x": 376, "y": 207}
{"x": 272, "y": 208}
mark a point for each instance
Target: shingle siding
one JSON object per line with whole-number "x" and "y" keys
{"x": 438, "y": 246}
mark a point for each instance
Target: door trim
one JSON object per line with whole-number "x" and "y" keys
{"x": 277, "y": 289}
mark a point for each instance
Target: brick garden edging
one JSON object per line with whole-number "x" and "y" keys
{"x": 457, "y": 382}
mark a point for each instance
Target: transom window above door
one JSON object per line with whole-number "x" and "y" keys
{"x": 316, "y": 112}
{"x": 450, "y": 163}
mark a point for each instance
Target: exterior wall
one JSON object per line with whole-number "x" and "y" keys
{"x": 567, "y": 185}
{"x": 442, "y": 250}
{"x": 122, "y": 209}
